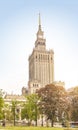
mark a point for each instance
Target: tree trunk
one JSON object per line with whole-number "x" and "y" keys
{"x": 36, "y": 115}
{"x": 42, "y": 120}
{"x": 14, "y": 117}
{"x": 52, "y": 122}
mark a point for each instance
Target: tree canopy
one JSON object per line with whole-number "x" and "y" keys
{"x": 30, "y": 109}
{"x": 73, "y": 94}
{"x": 53, "y": 101}
{"x": 1, "y": 104}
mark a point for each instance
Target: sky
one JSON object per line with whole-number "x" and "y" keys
{"x": 18, "y": 28}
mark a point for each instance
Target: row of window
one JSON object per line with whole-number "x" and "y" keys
{"x": 41, "y": 43}
{"x": 43, "y": 57}
{"x": 35, "y": 85}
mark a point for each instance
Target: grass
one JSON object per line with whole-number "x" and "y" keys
{"x": 32, "y": 128}
{"x": 29, "y": 128}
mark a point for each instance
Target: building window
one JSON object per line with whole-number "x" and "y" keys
{"x": 36, "y": 56}
{"x": 48, "y": 57}
{"x": 51, "y": 58}
{"x": 41, "y": 56}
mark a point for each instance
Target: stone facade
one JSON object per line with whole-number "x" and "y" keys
{"x": 41, "y": 63}
{"x": 20, "y": 99}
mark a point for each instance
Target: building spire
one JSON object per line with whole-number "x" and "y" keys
{"x": 39, "y": 22}
{"x": 40, "y": 33}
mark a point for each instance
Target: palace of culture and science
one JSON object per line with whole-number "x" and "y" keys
{"x": 41, "y": 63}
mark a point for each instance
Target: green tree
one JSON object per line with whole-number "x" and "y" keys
{"x": 13, "y": 110}
{"x": 53, "y": 101}
{"x": 8, "y": 112}
{"x": 1, "y": 104}
{"x": 30, "y": 109}
{"x": 74, "y": 112}
{"x": 73, "y": 96}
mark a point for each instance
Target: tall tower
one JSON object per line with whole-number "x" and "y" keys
{"x": 41, "y": 63}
